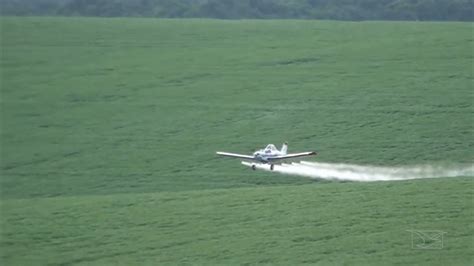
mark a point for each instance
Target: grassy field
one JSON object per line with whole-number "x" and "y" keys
{"x": 109, "y": 128}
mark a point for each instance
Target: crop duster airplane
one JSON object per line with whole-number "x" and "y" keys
{"x": 269, "y": 155}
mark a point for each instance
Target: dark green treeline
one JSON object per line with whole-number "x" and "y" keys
{"x": 442, "y": 10}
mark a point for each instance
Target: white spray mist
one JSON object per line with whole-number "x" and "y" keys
{"x": 367, "y": 173}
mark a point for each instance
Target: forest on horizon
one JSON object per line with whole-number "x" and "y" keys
{"x": 354, "y": 10}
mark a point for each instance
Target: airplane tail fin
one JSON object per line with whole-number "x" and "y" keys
{"x": 284, "y": 148}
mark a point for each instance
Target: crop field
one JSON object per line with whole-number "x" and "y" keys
{"x": 109, "y": 129}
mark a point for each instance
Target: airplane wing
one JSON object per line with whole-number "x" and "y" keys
{"x": 235, "y": 155}
{"x": 292, "y": 155}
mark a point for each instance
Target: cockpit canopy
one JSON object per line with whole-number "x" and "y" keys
{"x": 270, "y": 147}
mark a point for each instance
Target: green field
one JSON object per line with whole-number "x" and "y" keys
{"x": 109, "y": 128}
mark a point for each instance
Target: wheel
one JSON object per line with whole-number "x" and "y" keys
{"x": 271, "y": 167}
{"x": 254, "y": 167}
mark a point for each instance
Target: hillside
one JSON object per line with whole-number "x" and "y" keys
{"x": 109, "y": 128}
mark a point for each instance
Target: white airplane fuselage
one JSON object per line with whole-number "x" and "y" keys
{"x": 270, "y": 151}
{"x": 269, "y": 155}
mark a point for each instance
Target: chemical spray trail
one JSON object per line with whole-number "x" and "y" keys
{"x": 367, "y": 173}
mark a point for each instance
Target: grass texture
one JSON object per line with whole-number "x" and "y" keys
{"x": 109, "y": 128}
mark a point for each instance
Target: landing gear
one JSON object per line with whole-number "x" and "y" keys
{"x": 254, "y": 167}
{"x": 271, "y": 167}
